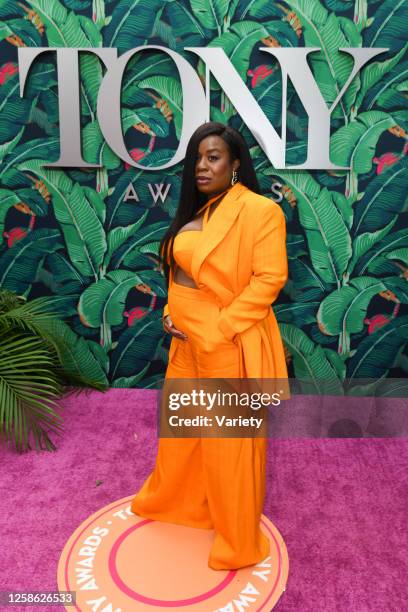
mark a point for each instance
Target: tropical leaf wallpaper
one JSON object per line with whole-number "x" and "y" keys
{"x": 72, "y": 235}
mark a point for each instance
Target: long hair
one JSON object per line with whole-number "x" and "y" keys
{"x": 191, "y": 200}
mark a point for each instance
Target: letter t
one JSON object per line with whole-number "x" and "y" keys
{"x": 68, "y": 96}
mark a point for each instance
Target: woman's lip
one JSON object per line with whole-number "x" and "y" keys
{"x": 202, "y": 179}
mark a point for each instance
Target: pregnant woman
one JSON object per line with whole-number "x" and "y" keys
{"x": 226, "y": 263}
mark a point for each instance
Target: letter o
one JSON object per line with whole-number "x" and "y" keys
{"x": 109, "y": 108}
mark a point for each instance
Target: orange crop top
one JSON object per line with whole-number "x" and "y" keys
{"x": 183, "y": 248}
{"x": 186, "y": 241}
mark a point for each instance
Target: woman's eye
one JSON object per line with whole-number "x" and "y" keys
{"x": 212, "y": 157}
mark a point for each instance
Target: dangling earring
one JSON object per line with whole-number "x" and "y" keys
{"x": 234, "y": 177}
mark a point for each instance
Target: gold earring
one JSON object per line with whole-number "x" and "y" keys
{"x": 234, "y": 178}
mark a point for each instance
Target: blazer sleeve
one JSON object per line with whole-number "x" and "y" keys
{"x": 269, "y": 275}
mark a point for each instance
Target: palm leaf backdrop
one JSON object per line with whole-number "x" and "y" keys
{"x": 69, "y": 233}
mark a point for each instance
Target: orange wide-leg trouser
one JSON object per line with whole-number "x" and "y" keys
{"x": 209, "y": 483}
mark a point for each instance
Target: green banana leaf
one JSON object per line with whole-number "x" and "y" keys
{"x": 102, "y": 303}
{"x": 390, "y": 262}
{"x": 365, "y": 242}
{"x": 295, "y": 246}
{"x": 327, "y": 235}
{"x": 331, "y": 67}
{"x": 143, "y": 65}
{"x": 345, "y": 308}
{"x": 389, "y": 26}
{"x": 392, "y": 99}
{"x": 40, "y": 148}
{"x": 63, "y": 27}
{"x": 66, "y": 29}
{"x": 76, "y": 5}
{"x": 95, "y": 150}
{"x": 210, "y": 13}
{"x": 78, "y": 360}
{"x": 385, "y": 88}
{"x": 268, "y": 94}
{"x": 376, "y": 72}
{"x": 23, "y": 29}
{"x": 83, "y": 232}
{"x": 90, "y": 70}
{"x": 30, "y": 196}
{"x": 382, "y": 265}
{"x": 377, "y": 353}
{"x": 184, "y": 22}
{"x": 136, "y": 346}
{"x": 298, "y": 314}
{"x": 339, "y": 5}
{"x": 308, "y": 286}
{"x": 354, "y": 144}
{"x": 143, "y": 236}
{"x": 118, "y": 236}
{"x": 154, "y": 280}
{"x": 129, "y": 382}
{"x": 9, "y": 145}
{"x": 131, "y": 24}
{"x": 400, "y": 254}
{"x": 398, "y": 286}
{"x": 20, "y": 263}
{"x": 170, "y": 89}
{"x": 238, "y": 43}
{"x": 384, "y": 199}
{"x": 344, "y": 207}
{"x": 398, "y": 239}
{"x": 258, "y": 9}
{"x": 7, "y": 199}
{"x": 151, "y": 116}
{"x": 165, "y": 32}
{"x": 14, "y": 113}
{"x": 64, "y": 272}
{"x": 311, "y": 364}
{"x": 155, "y": 381}
{"x": 6, "y": 9}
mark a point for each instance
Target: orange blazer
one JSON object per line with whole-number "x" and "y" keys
{"x": 241, "y": 256}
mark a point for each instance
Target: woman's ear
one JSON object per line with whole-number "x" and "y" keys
{"x": 236, "y": 164}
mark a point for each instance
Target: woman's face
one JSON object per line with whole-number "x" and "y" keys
{"x": 214, "y": 167}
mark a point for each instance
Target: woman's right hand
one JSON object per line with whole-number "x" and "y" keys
{"x": 171, "y": 329}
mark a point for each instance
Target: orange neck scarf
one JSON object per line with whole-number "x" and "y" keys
{"x": 212, "y": 200}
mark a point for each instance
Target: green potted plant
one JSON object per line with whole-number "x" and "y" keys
{"x": 41, "y": 360}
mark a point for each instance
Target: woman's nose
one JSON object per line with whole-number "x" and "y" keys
{"x": 201, "y": 164}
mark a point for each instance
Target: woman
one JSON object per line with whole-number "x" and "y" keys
{"x": 226, "y": 264}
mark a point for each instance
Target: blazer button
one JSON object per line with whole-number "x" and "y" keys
{"x": 201, "y": 285}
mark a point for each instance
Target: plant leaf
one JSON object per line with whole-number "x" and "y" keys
{"x": 83, "y": 232}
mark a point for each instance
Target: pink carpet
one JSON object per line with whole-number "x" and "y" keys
{"x": 340, "y": 504}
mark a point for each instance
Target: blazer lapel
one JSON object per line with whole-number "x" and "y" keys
{"x": 217, "y": 227}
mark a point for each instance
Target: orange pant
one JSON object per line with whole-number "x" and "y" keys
{"x": 210, "y": 483}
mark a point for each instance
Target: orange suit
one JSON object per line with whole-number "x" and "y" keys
{"x": 239, "y": 264}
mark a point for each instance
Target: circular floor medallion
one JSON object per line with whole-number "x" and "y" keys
{"x": 116, "y": 561}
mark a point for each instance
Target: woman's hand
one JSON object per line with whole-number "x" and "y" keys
{"x": 170, "y": 329}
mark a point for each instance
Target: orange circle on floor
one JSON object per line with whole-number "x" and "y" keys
{"x": 120, "y": 562}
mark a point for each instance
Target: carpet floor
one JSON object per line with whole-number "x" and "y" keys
{"x": 340, "y": 503}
